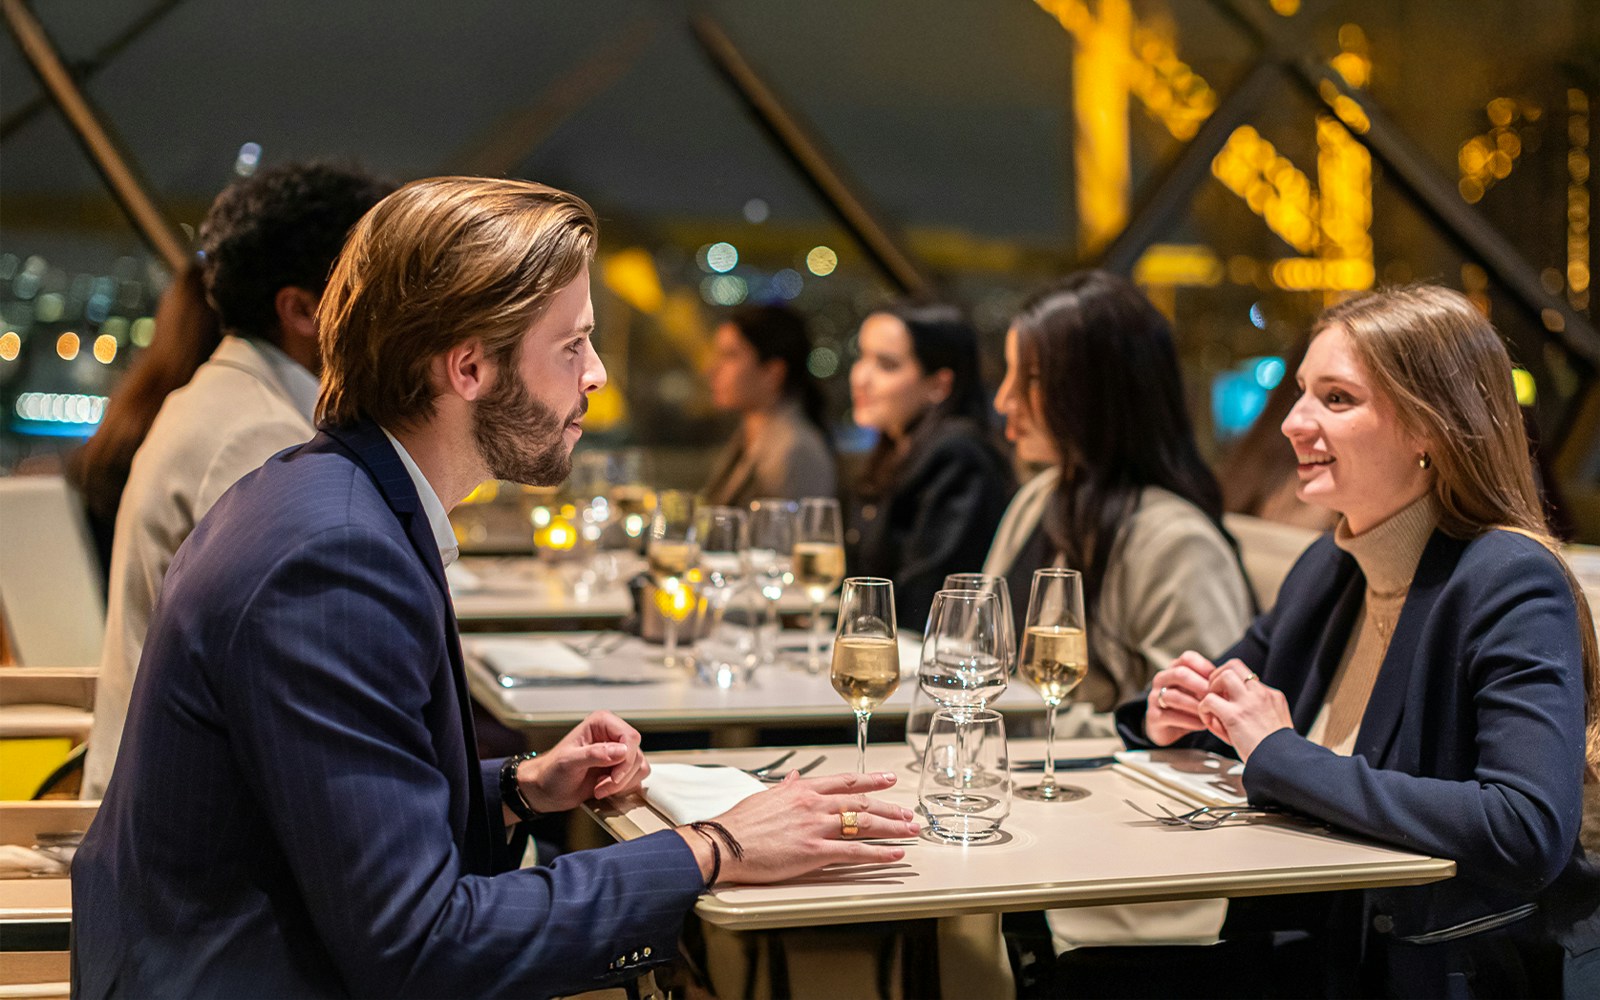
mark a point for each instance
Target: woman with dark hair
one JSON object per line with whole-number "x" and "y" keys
{"x": 934, "y": 486}
{"x": 1428, "y": 676}
{"x": 187, "y": 331}
{"x": 1093, "y": 391}
{"x": 759, "y": 372}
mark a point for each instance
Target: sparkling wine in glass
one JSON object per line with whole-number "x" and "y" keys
{"x": 818, "y": 562}
{"x": 1055, "y": 658}
{"x": 772, "y": 527}
{"x": 674, "y": 556}
{"x": 866, "y": 652}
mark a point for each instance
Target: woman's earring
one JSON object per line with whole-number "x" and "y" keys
{"x": 1423, "y": 461}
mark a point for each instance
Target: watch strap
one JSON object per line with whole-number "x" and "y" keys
{"x": 511, "y": 789}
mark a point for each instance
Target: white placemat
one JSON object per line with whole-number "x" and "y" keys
{"x": 523, "y": 657}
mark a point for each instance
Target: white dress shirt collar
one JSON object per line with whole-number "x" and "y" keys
{"x": 300, "y": 384}
{"x": 443, "y": 534}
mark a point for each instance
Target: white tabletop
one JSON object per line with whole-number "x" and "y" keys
{"x": 777, "y": 694}
{"x": 1092, "y": 851}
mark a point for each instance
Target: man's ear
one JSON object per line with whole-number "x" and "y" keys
{"x": 464, "y": 370}
{"x": 296, "y": 309}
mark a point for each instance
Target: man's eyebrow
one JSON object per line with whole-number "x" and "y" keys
{"x": 584, "y": 328}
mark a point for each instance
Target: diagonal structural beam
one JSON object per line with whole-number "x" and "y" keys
{"x": 1436, "y": 197}
{"x": 1170, "y": 196}
{"x": 82, "y": 72}
{"x": 804, "y": 153}
{"x": 113, "y": 165}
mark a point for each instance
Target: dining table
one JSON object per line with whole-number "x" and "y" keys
{"x": 1106, "y": 848}
{"x": 511, "y": 675}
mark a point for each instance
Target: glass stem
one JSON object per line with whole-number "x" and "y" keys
{"x": 770, "y": 629}
{"x": 861, "y": 741}
{"x": 816, "y": 637}
{"x": 1049, "y": 779}
{"x": 670, "y": 645}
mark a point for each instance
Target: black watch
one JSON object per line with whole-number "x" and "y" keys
{"x": 511, "y": 790}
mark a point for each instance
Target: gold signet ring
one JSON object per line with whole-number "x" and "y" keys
{"x": 847, "y": 823}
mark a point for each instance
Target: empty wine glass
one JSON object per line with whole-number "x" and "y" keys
{"x": 963, "y": 655}
{"x": 772, "y": 529}
{"x": 723, "y": 535}
{"x": 818, "y": 562}
{"x": 1055, "y": 657}
{"x": 866, "y": 652}
{"x": 995, "y": 585}
{"x": 674, "y": 553}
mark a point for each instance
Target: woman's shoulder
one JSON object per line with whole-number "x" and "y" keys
{"x": 1164, "y": 516}
{"x": 1501, "y": 556}
{"x": 958, "y": 439}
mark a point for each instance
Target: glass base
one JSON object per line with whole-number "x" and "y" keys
{"x": 1052, "y": 793}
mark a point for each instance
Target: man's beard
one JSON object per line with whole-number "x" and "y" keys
{"x": 520, "y": 438}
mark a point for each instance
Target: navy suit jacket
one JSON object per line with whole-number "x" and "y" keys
{"x": 297, "y": 808}
{"x": 1472, "y": 745}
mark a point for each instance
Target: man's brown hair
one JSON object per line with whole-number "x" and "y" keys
{"x": 436, "y": 263}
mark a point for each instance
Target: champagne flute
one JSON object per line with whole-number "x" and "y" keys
{"x": 866, "y": 652}
{"x": 674, "y": 553}
{"x": 1055, "y": 657}
{"x": 995, "y": 585}
{"x": 772, "y": 524}
{"x": 818, "y": 562}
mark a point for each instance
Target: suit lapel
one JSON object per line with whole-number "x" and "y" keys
{"x": 1349, "y": 586}
{"x": 373, "y": 449}
{"x": 1386, "y": 705}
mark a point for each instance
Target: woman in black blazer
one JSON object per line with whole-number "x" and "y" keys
{"x": 1428, "y": 676}
{"x": 935, "y": 485}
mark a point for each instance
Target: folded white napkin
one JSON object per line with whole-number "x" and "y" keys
{"x": 1204, "y": 778}
{"x": 528, "y": 657}
{"x": 461, "y": 579}
{"x": 686, "y": 793}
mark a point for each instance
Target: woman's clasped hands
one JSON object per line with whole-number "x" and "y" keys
{"x": 1229, "y": 701}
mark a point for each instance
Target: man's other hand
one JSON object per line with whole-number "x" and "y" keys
{"x": 599, "y": 758}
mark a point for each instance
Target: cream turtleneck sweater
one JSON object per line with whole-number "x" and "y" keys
{"x": 1388, "y": 554}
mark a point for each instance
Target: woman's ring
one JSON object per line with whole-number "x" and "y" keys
{"x": 1161, "y": 697}
{"x": 1249, "y": 677}
{"x": 847, "y": 823}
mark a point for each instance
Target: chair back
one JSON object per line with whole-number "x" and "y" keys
{"x": 1268, "y": 549}
{"x": 51, "y": 596}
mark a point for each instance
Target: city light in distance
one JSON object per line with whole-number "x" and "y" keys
{"x": 822, "y": 261}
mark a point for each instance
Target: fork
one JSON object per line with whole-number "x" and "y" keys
{"x": 1203, "y": 818}
{"x": 598, "y": 644}
{"x": 757, "y": 772}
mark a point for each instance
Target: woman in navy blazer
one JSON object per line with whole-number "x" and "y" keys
{"x": 1428, "y": 675}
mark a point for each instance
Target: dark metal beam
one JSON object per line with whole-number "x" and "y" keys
{"x": 1169, "y": 196}
{"x": 1434, "y": 195}
{"x": 806, "y": 155}
{"x": 82, "y": 72}
{"x": 114, "y": 166}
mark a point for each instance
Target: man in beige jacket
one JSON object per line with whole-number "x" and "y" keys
{"x": 267, "y": 245}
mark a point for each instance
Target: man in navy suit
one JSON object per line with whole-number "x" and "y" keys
{"x": 296, "y": 809}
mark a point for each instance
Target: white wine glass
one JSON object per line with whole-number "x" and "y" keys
{"x": 866, "y": 652}
{"x": 772, "y": 527}
{"x": 1055, "y": 658}
{"x": 818, "y": 561}
{"x": 674, "y": 553}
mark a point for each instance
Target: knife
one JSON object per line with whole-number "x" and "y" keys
{"x": 1065, "y": 764}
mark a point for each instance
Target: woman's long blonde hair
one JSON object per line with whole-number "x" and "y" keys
{"x": 1446, "y": 370}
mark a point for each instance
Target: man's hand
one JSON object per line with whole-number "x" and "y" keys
{"x": 599, "y": 758}
{"x": 795, "y": 827}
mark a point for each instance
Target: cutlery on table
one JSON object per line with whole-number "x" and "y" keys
{"x": 1065, "y": 764}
